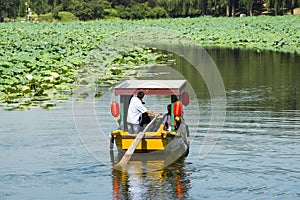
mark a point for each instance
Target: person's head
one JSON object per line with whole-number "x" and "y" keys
{"x": 174, "y": 98}
{"x": 140, "y": 95}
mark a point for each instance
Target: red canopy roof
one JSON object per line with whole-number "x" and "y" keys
{"x": 150, "y": 87}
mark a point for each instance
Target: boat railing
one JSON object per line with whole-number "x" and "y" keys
{"x": 156, "y": 124}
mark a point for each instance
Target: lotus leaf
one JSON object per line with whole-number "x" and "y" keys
{"x": 45, "y": 58}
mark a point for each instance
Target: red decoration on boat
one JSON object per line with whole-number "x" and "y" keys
{"x": 115, "y": 109}
{"x": 185, "y": 98}
{"x": 177, "y": 109}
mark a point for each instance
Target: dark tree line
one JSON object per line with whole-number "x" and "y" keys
{"x": 137, "y": 9}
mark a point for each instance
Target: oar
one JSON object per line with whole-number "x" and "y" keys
{"x": 134, "y": 144}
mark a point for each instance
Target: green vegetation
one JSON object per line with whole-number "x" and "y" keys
{"x": 280, "y": 33}
{"x": 40, "y": 62}
{"x": 141, "y": 9}
{"x": 61, "y": 16}
{"x": 43, "y": 62}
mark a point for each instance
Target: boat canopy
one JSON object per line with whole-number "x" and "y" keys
{"x": 150, "y": 87}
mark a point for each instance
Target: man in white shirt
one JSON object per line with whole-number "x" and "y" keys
{"x": 135, "y": 110}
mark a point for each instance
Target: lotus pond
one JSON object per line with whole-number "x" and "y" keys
{"x": 41, "y": 63}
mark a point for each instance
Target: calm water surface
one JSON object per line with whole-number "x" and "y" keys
{"x": 42, "y": 156}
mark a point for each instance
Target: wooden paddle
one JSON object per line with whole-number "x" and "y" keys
{"x": 134, "y": 144}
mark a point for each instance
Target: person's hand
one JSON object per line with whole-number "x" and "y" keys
{"x": 156, "y": 114}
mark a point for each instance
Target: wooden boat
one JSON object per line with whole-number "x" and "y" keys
{"x": 173, "y": 142}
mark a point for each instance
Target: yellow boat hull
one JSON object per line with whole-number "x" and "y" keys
{"x": 152, "y": 141}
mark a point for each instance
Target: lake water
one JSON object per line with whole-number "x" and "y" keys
{"x": 49, "y": 154}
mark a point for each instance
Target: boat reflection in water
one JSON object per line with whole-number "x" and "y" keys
{"x": 139, "y": 181}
